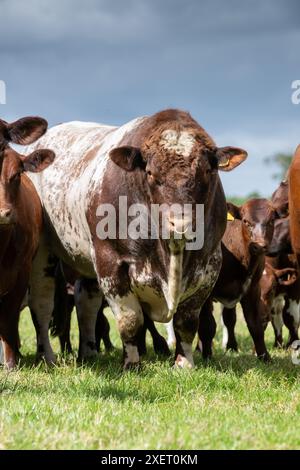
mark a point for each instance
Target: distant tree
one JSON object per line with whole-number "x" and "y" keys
{"x": 282, "y": 161}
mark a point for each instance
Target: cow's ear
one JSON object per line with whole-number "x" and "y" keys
{"x": 234, "y": 210}
{"x": 286, "y": 276}
{"x": 26, "y": 130}
{"x": 38, "y": 160}
{"x": 128, "y": 158}
{"x": 230, "y": 157}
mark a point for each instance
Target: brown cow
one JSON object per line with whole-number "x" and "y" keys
{"x": 280, "y": 294}
{"x": 243, "y": 246}
{"x": 294, "y": 203}
{"x": 20, "y": 223}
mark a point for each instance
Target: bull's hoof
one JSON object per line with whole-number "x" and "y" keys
{"x": 182, "y": 362}
{"x": 233, "y": 346}
{"x": 265, "y": 357}
{"x": 49, "y": 359}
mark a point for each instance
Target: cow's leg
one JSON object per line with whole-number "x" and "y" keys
{"x": 171, "y": 334}
{"x": 207, "y": 329}
{"x": 186, "y": 323}
{"x": 10, "y": 307}
{"x": 229, "y": 341}
{"x": 130, "y": 319}
{"x": 160, "y": 345}
{"x": 291, "y": 318}
{"x": 64, "y": 337}
{"x": 88, "y": 298}
{"x": 253, "y": 313}
{"x": 102, "y": 329}
{"x": 41, "y": 299}
{"x": 9, "y": 319}
{"x": 277, "y": 321}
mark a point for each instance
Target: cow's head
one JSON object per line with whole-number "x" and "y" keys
{"x": 179, "y": 162}
{"x": 258, "y": 217}
{"x": 280, "y": 199}
{"x": 281, "y": 241}
{"x": 13, "y": 164}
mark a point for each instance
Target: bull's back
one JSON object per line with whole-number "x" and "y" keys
{"x": 66, "y": 187}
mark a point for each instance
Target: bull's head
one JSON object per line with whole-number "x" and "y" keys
{"x": 179, "y": 163}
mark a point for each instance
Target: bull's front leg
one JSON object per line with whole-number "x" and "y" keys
{"x": 186, "y": 321}
{"x": 130, "y": 319}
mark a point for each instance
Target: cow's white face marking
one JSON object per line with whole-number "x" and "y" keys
{"x": 179, "y": 142}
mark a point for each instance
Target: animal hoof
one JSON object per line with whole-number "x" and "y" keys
{"x": 265, "y": 357}
{"x": 182, "y": 363}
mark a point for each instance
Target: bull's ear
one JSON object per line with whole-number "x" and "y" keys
{"x": 234, "y": 210}
{"x": 230, "y": 157}
{"x": 26, "y": 130}
{"x": 128, "y": 158}
{"x": 38, "y": 160}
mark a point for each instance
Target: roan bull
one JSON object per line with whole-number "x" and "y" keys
{"x": 163, "y": 159}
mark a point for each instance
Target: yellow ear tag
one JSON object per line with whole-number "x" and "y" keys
{"x": 229, "y": 216}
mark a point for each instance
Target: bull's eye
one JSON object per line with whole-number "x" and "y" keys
{"x": 153, "y": 179}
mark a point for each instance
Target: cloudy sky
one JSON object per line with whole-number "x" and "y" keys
{"x": 231, "y": 64}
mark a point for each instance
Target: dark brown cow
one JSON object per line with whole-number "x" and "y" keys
{"x": 20, "y": 223}
{"x": 167, "y": 158}
{"x": 243, "y": 246}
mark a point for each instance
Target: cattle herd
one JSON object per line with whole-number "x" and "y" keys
{"x": 52, "y": 257}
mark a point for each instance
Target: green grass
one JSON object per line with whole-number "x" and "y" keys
{"x": 234, "y": 402}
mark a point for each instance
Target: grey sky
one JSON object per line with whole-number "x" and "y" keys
{"x": 230, "y": 63}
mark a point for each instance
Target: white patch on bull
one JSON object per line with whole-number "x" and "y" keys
{"x": 41, "y": 300}
{"x": 293, "y": 310}
{"x": 174, "y": 291}
{"x": 132, "y": 355}
{"x": 179, "y": 142}
{"x": 171, "y": 338}
{"x": 65, "y": 186}
{"x": 224, "y": 330}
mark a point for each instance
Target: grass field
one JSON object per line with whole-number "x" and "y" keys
{"x": 234, "y": 402}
